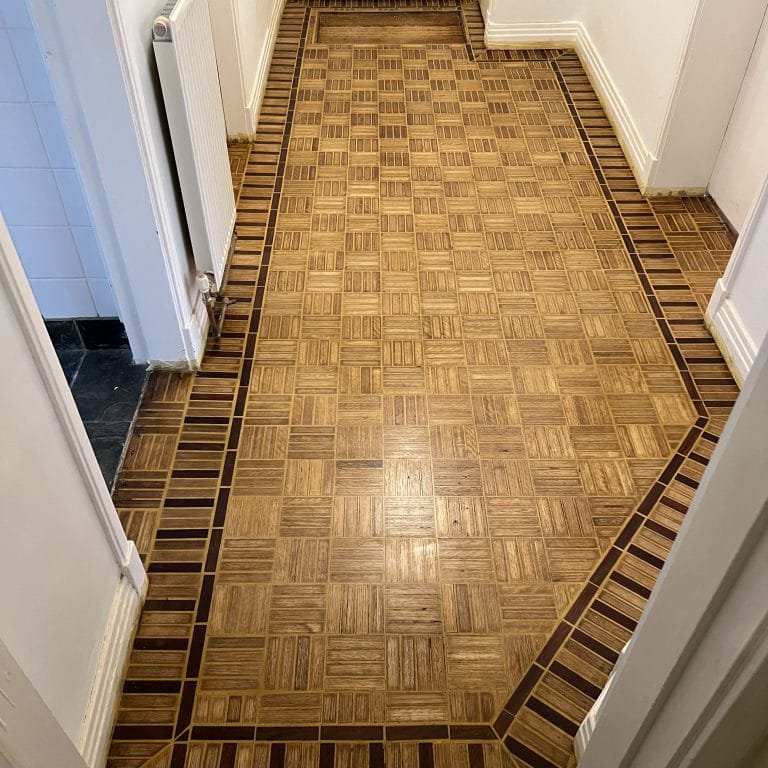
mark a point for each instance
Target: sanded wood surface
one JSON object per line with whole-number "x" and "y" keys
{"x": 414, "y": 502}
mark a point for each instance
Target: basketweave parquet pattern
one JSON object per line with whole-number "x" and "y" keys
{"x": 412, "y": 506}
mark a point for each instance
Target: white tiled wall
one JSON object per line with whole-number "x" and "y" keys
{"x": 41, "y": 196}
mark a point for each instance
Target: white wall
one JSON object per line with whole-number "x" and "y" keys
{"x": 705, "y": 93}
{"x": 58, "y": 575}
{"x": 244, "y": 34}
{"x": 508, "y": 12}
{"x": 641, "y": 47}
{"x": 70, "y": 581}
{"x": 743, "y": 160}
{"x": 737, "y": 311}
{"x": 41, "y": 195}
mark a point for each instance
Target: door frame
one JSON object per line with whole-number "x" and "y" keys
{"x": 16, "y": 291}
{"x": 127, "y": 178}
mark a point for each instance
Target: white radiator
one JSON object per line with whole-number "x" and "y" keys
{"x": 186, "y": 62}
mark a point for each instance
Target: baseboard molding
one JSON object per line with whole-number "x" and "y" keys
{"x": 262, "y": 71}
{"x": 573, "y": 34}
{"x": 525, "y": 35}
{"x": 100, "y": 715}
{"x": 650, "y": 191}
{"x": 731, "y": 336}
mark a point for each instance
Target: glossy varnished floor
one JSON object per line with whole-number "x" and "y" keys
{"x": 466, "y": 350}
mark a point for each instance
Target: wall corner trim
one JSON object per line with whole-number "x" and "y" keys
{"x": 730, "y": 334}
{"x": 25, "y": 309}
{"x": 96, "y": 730}
{"x": 573, "y": 34}
{"x": 253, "y": 108}
{"x": 723, "y": 317}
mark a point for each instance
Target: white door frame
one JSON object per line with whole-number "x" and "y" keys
{"x": 16, "y": 290}
{"x": 743, "y": 276}
{"x": 102, "y": 80}
{"x": 30, "y": 735}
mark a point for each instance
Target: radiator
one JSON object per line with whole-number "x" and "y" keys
{"x": 186, "y": 63}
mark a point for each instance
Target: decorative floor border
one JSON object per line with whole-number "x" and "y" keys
{"x": 198, "y": 420}
{"x": 541, "y": 717}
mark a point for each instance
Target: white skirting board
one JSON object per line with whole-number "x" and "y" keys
{"x": 262, "y": 72}
{"x": 730, "y": 334}
{"x": 573, "y": 34}
{"x": 105, "y": 694}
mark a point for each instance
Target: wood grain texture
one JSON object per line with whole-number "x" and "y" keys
{"x": 399, "y": 498}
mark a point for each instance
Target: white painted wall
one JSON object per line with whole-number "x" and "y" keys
{"x": 743, "y": 160}
{"x": 133, "y": 23}
{"x": 58, "y": 575}
{"x": 70, "y": 581}
{"x": 244, "y": 34}
{"x": 706, "y": 90}
{"x": 504, "y": 13}
{"x": 640, "y": 46}
{"x": 41, "y": 195}
{"x": 737, "y": 311}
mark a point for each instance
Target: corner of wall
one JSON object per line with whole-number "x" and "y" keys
{"x": 730, "y": 333}
{"x": 96, "y": 731}
{"x": 573, "y": 34}
{"x": 640, "y": 157}
{"x": 253, "y": 108}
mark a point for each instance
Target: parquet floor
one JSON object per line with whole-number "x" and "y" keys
{"x": 411, "y": 508}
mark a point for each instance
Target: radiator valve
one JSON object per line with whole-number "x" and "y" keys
{"x": 215, "y": 303}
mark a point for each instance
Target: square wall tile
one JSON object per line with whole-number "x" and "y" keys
{"x": 21, "y": 145}
{"x": 11, "y": 83}
{"x": 90, "y": 252}
{"x": 30, "y": 196}
{"x": 47, "y": 252}
{"x": 63, "y": 298}
{"x": 14, "y": 13}
{"x": 32, "y": 64}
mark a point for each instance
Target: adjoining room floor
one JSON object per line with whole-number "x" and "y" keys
{"x": 104, "y": 381}
{"x": 411, "y": 509}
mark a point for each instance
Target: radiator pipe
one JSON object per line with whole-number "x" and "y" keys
{"x": 210, "y": 298}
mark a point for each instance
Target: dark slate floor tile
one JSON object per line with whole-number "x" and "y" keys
{"x": 108, "y": 386}
{"x": 103, "y": 333}
{"x": 64, "y": 334}
{"x": 70, "y": 360}
{"x": 108, "y": 440}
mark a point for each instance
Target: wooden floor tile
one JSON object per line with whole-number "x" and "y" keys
{"x": 412, "y": 506}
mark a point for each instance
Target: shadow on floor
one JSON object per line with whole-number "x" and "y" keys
{"x": 105, "y": 383}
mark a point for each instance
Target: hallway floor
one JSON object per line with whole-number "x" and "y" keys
{"x": 411, "y": 509}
